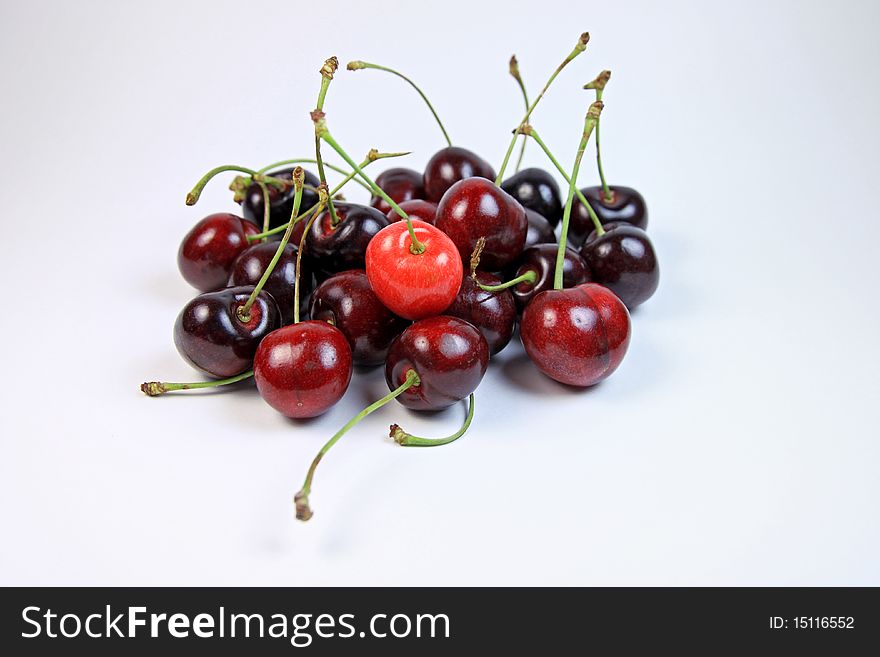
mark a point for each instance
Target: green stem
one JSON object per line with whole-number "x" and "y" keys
{"x": 327, "y": 71}
{"x": 193, "y": 196}
{"x": 357, "y": 65}
{"x": 577, "y": 50}
{"x": 301, "y": 499}
{"x": 156, "y": 388}
{"x": 514, "y": 71}
{"x": 267, "y": 205}
{"x": 306, "y": 160}
{"x": 405, "y": 439}
{"x": 299, "y": 252}
{"x": 529, "y": 277}
{"x": 589, "y": 124}
{"x": 599, "y": 85}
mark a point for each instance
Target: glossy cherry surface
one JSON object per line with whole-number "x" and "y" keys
{"x": 250, "y": 266}
{"x": 210, "y": 334}
{"x": 210, "y": 247}
{"x": 449, "y": 165}
{"x": 303, "y": 369}
{"x": 411, "y": 285}
{"x": 416, "y": 209}
{"x": 475, "y": 208}
{"x": 450, "y": 356}
{"x": 627, "y": 205}
{"x": 539, "y": 231}
{"x": 541, "y": 259}
{"x": 623, "y": 260}
{"x": 493, "y": 313}
{"x": 578, "y": 335}
{"x": 280, "y": 201}
{"x": 401, "y": 184}
{"x": 536, "y": 190}
{"x": 347, "y": 301}
{"x": 343, "y": 246}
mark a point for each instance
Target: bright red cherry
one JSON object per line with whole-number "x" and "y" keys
{"x": 303, "y": 369}
{"x": 412, "y": 285}
{"x": 401, "y": 184}
{"x": 416, "y": 209}
{"x": 208, "y": 250}
{"x": 578, "y": 335}
{"x": 451, "y": 164}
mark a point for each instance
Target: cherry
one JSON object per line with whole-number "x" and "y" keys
{"x": 540, "y": 231}
{"x": 343, "y": 246}
{"x": 536, "y": 190}
{"x": 414, "y": 285}
{"x": 449, "y": 356}
{"x": 211, "y": 334}
{"x": 450, "y": 165}
{"x": 250, "y": 266}
{"x": 494, "y": 314}
{"x": 626, "y": 205}
{"x": 208, "y": 250}
{"x": 475, "y": 208}
{"x": 303, "y": 369}
{"x": 623, "y": 260}
{"x": 541, "y": 259}
{"x": 280, "y": 201}
{"x": 578, "y": 335}
{"x": 416, "y": 209}
{"x": 347, "y": 301}
{"x": 401, "y": 184}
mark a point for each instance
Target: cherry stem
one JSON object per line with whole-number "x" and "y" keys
{"x": 301, "y": 499}
{"x": 357, "y": 65}
{"x": 156, "y": 388}
{"x": 599, "y": 85}
{"x": 577, "y": 50}
{"x": 244, "y": 311}
{"x": 267, "y": 209}
{"x": 306, "y": 160}
{"x": 597, "y": 224}
{"x": 302, "y": 246}
{"x": 529, "y": 277}
{"x": 405, "y": 439}
{"x": 327, "y": 71}
{"x": 193, "y": 196}
{"x": 589, "y": 124}
{"x": 514, "y": 71}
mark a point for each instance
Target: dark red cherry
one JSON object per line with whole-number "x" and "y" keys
{"x": 280, "y": 201}
{"x": 626, "y": 205}
{"x": 475, "y": 208}
{"x": 576, "y": 336}
{"x": 250, "y": 266}
{"x": 337, "y": 248}
{"x": 624, "y": 261}
{"x": 540, "y": 231}
{"x": 210, "y": 334}
{"x": 347, "y": 301}
{"x": 401, "y": 184}
{"x": 536, "y": 190}
{"x": 416, "y": 209}
{"x": 208, "y": 250}
{"x": 449, "y": 355}
{"x": 451, "y": 164}
{"x": 541, "y": 259}
{"x": 493, "y": 313}
{"x": 303, "y": 369}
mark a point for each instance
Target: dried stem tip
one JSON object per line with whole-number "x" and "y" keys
{"x": 583, "y": 41}
{"x": 299, "y": 177}
{"x": 514, "y": 67}
{"x": 595, "y": 110}
{"x": 153, "y": 389}
{"x": 356, "y": 65}
{"x": 329, "y": 68}
{"x": 397, "y": 434}
{"x": 373, "y": 155}
{"x": 600, "y": 81}
{"x": 475, "y": 256}
{"x": 303, "y": 511}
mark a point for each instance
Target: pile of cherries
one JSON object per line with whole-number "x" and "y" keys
{"x": 430, "y": 279}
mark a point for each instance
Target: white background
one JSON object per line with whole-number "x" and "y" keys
{"x": 737, "y": 444}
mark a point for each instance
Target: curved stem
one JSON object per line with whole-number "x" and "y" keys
{"x": 599, "y": 85}
{"x": 357, "y": 65}
{"x": 306, "y": 160}
{"x": 299, "y": 252}
{"x": 405, "y": 439}
{"x": 589, "y": 124}
{"x": 529, "y": 277}
{"x": 193, "y": 196}
{"x": 327, "y": 71}
{"x": 514, "y": 71}
{"x": 156, "y": 388}
{"x": 301, "y": 499}
{"x": 577, "y": 50}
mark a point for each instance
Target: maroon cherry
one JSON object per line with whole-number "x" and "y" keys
{"x": 303, "y": 369}
{"x": 494, "y": 314}
{"x": 449, "y": 356}
{"x": 347, "y": 301}
{"x": 626, "y": 205}
{"x": 280, "y": 201}
{"x": 343, "y": 246}
{"x": 208, "y": 250}
{"x": 416, "y": 209}
{"x": 541, "y": 259}
{"x": 576, "y": 336}
{"x": 623, "y": 260}
{"x": 475, "y": 208}
{"x": 401, "y": 184}
{"x": 536, "y": 190}
{"x": 540, "y": 231}
{"x": 211, "y": 334}
{"x": 451, "y": 164}
{"x": 250, "y": 266}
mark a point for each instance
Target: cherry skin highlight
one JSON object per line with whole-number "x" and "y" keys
{"x": 210, "y": 247}
{"x": 627, "y": 206}
{"x": 411, "y": 285}
{"x": 493, "y": 313}
{"x": 623, "y": 260}
{"x": 536, "y": 190}
{"x": 416, "y": 209}
{"x": 303, "y": 369}
{"x": 451, "y": 164}
{"x": 449, "y": 355}
{"x": 280, "y": 201}
{"x": 539, "y": 231}
{"x": 577, "y": 336}
{"x": 211, "y": 336}
{"x": 401, "y": 184}
{"x": 541, "y": 259}
{"x": 347, "y": 301}
{"x": 337, "y": 248}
